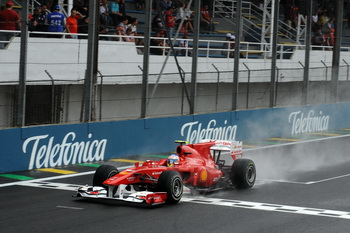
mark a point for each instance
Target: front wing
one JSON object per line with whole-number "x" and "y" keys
{"x": 96, "y": 192}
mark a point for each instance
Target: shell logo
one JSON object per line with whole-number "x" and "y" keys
{"x": 204, "y": 175}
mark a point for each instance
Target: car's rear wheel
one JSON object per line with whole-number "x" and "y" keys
{"x": 103, "y": 173}
{"x": 243, "y": 173}
{"x": 171, "y": 183}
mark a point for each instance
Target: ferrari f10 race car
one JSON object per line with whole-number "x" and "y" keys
{"x": 200, "y": 167}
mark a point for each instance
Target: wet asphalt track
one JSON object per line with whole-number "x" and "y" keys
{"x": 300, "y": 188}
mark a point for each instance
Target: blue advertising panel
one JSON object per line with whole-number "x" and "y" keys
{"x": 56, "y": 145}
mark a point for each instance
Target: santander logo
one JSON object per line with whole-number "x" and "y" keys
{"x": 308, "y": 123}
{"x": 194, "y": 131}
{"x": 45, "y": 151}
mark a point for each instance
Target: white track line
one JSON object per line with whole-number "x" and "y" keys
{"x": 220, "y": 202}
{"x": 269, "y": 207}
{"x": 324, "y": 180}
{"x": 283, "y": 181}
{"x": 69, "y": 207}
{"x": 295, "y": 143}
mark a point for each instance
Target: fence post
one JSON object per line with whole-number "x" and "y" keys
{"x": 347, "y": 70}
{"x": 217, "y": 88}
{"x": 326, "y": 69}
{"x": 183, "y": 90}
{"x": 326, "y": 80}
{"x": 101, "y": 88}
{"x": 248, "y": 85}
{"x": 53, "y": 115}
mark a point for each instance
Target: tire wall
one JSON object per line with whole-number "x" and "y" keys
{"x": 57, "y": 145}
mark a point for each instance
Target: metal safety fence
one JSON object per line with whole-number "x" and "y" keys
{"x": 62, "y": 103}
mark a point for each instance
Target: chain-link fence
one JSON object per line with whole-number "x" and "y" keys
{"x": 62, "y": 103}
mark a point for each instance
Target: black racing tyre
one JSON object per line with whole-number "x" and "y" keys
{"x": 243, "y": 173}
{"x": 171, "y": 182}
{"x": 103, "y": 173}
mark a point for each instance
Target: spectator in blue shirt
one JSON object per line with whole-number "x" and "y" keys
{"x": 56, "y": 21}
{"x": 115, "y": 12}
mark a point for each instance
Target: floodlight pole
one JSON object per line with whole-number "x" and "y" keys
{"x": 305, "y": 89}
{"x": 196, "y": 22}
{"x": 146, "y": 53}
{"x": 275, "y": 7}
{"x": 92, "y": 62}
{"x": 23, "y": 66}
{"x": 336, "y": 50}
{"x": 237, "y": 52}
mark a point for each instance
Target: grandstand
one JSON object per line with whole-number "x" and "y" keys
{"x": 56, "y": 70}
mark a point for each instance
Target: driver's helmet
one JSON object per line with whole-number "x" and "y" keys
{"x": 172, "y": 160}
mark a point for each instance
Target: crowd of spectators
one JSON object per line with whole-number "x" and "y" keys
{"x": 322, "y": 19}
{"x": 172, "y": 15}
{"x": 323, "y": 24}
{"x": 114, "y": 20}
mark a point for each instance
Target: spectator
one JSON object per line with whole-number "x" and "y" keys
{"x": 9, "y": 20}
{"x": 123, "y": 25}
{"x": 170, "y": 4}
{"x": 314, "y": 21}
{"x": 82, "y": 6}
{"x": 115, "y": 12}
{"x": 322, "y": 19}
{"x": 140, "y": 5}
{"x": 72, "y": 23}
{"x": 163, "y": 5}
{"x": 105, "y": 19}
{"x": 206, "y": 20}
{"x": 56, "y": 21}
{"x": 40, "y": 20}
{"x": 327, "y": 27}
{"x": 34, "y": 21}
{"x": 329, "y": 39}
{"x": 228, "y": 46}
{"x": 119, "y": 32}
{"x": 133, "y": 25}
{"x": 83, "y": 27}
{"x": 184, "y": 14}
{"x": 170, "y": 21}
{"x": 318, "y": 39}
{"x": 183, "y": 44}
{"x": 290, "y": 17}
{"x": 129, "y": 35}
{"x": 157, "y": 23}
{"x": 159, "y": 44}
{"x": 122, "y": 9}
{"x": 106, "y": 32}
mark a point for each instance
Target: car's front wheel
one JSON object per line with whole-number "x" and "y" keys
{"x": 103, "y": 173}
{"x": 171, "y": 183}
{"x": 243, "y": 173}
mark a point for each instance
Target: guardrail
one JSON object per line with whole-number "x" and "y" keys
{"x": 183, "y": 46}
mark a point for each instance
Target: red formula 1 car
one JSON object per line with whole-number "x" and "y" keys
{"x": 200, "y": 167}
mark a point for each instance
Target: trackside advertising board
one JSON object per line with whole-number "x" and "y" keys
{"x": 57, "y": 145}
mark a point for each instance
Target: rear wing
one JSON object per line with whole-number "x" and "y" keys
{"x": 234, "y": 147}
